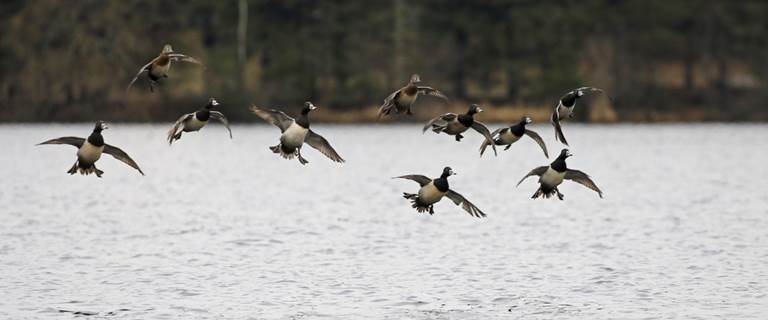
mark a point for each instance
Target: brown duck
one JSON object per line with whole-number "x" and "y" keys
{"x": 158, "y": 67}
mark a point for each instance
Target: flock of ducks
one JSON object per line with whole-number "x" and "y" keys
{"x": 296, "y": 132}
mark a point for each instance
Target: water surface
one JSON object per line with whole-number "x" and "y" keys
{"x": 224, "y": 229}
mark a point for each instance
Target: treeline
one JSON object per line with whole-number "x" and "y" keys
{"x": 659, "y": 59}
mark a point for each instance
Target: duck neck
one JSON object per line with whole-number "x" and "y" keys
{"x": 303, "y": 119}
{"x": 442, "y": 183}
{"x": 96, "y": 138}
{"x": 559, "y": 164}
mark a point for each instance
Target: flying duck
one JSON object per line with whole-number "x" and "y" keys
{"x": 455, "y": 125}
{"x": 401, "y": 100}
{"x": 90, "y": 150}
{"x": 296, "y": 133}
{"x": 159, "y": 66}
{"x": 508, "y": 136}
{"x": 552, "y": 176}
{"x": 197, "y": 120}
{"x": 432, "y": 191}
{"x": 565, "y": 107}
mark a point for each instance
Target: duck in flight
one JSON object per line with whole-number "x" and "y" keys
{"x": 402, "y": 100}
{"x": 159, "y": 66}
{"x": 296, "y": 132}
{"x": 89, "y": 151}
{"x": 550, "y": 177}
{"x": 509, "y": 135}
{"x": 197, "y": 120}
{"x": 564, "y": 109}
{"x": 433, "y": 190}
{"x": 455, "y": 125}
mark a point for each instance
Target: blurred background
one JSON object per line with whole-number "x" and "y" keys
{"x": 660, "y": 60}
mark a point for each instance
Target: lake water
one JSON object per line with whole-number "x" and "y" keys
{"x": 224, "y": 229}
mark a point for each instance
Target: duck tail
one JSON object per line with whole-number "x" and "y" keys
{"x": 282, "y": 152}
{"x": 416, "y": 204}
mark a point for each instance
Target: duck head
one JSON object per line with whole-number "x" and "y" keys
{"x": 415, "y": 79}
{"x": 447, "y": 172}
{"x": 474, "y": 109}
{"x": 167, "y": 49}
{"x": 565, "y": 154}
{"x": 100, "y": 125}
{"x": 308, "y": 106}
{"x": 211, "y": 103}
{"x": 525, "y": 120}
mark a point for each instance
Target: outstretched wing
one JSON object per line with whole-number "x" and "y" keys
{"x": 178, "y": 125}
{"x": 277, "y": 118}
{"x": 122, "y": 156}
{"x": 73, "y": 141}
{"x": 220, "y": 116}
{"x": 143, "y": 69}
{"x": 440, "y": 121}
{"x": 482, "y": 129}
{"x": 459, "y": 200}
{"x": 421, "y": 180}
{"x": 536, "y": 137}
{"x": 429, "y": 91}
{"x": 389, "y": 103}
{"x": 317, "y": 141}
{"x": 184, "y": 58}
{"x": 583, "y": 179}
{"x": 558, "y": 130}
{"x": 535, "y": 172}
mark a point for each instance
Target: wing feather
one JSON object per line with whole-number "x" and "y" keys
{"x": 177, "y": 126}
{"x": 275, "y": 117}
{"x": 536, "y": 137}
{"x": 535, "y": 172}
{"x": 482, "y": 129}
{"x": 143, "y": 69}
{"x": 459, "y": 200}
{"x": 421, "y": 180}
{"x": 73, "y": 141}
{"x": 317, "y": 141}
{"x": 583, "y": 179}
{"x": 122, "y": 156}
{"x": 221, "y": 118}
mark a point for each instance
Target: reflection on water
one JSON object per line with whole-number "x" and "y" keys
{"x": 223, "y": 228}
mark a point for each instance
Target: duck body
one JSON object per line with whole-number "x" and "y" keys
{"x": 432, "y": 192}
{"x": 197, "y": 122}
{"x": 89, "y": 153}
{"x": 508, "y": 136}
{"x": 550, "y": 177}
{"x": 406, "y": 98}
{"x": 461, "y": 124}
{"x": 295, "y": 133}
{"x": 160, "y": 67}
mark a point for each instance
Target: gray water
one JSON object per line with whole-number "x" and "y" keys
{"x": 224, "y": 229}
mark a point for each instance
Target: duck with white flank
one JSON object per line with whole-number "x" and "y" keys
{"x": 565, "y": 107}
{"x": 552, "y": 176}
{"x": 402, "y": 100}
{"x": 197, "y": 120}
{"x": 159, "y": 66}
{"x": 508, "y": 136}
{"x": 455, "y": 125}
{"x": 432, "y": 191}
{"x": 296, "y": 133}
{"x": 90, "y": 150}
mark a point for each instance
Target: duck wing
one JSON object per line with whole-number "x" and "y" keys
{"x": 421, "y": 180}
{"x": 440, "y": 121}
{"x": 536, "y": 137}
{"x": 429, "y": 91}
{"x": 184, "y": 58}
{"x": 221, "y": 118}
{"x": 275, "y": 117}
{"x": 317, "y": 141}
{"x": 122, "y": 156}
{"x": 583, "y": 179}
{"x": 482, "y": 129}
{"x": 559, "y": 136}
{"x": 389, "y": 103}
{"x": 459, "y": 200}
{"x": 486, "y": 143}
{"x": 178, "y": 125}
{"x": 535, "y": 172}
{"x": 143, "y": 69}
{"x": 73, "y": 141}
